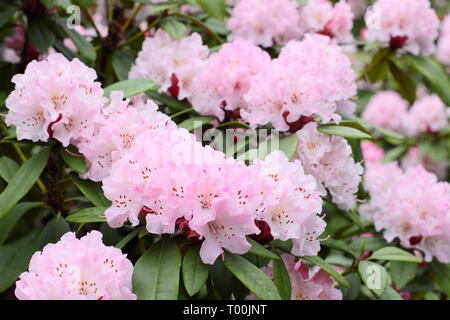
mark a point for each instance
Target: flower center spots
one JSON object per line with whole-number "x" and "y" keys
{"x": 59, "y": 102}
{"x": 206, "y": 199}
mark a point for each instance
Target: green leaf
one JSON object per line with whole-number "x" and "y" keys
{"x": 92, "y": 190}
{"x": 327, "y": 268}
{"x": 22, "y": 181}
{"x": 281, "y": 279}
{"x": 344, "y": 131}
{"x": 441, "y": 275}
{"x": 52, "y": 231}
{"x": 406, "y": 87}
{"x": 122, "y": 243}
{"x": 122, "y": 60}
{"x": 338, "y": 245}
{"x": 156, "y": 275}
{"x": 289, "y": 145}
{"x": 8, "y": 222}
{"x": 132, "y": 87}
{"x": 374, "y": 276}
{"x": 394, "y": 153}
{"x": 194, "y": 271}
{"x": 394, "y": 254}
{"x": 222, "y": 280}
{"x": 252, "y": 277}
{"x": 195, "y": 122}
{"x": 351, "y": 293}
{"x": 214, "y": 8}
{"x": 8, "y": 168}
{"x": 378, "y": 68}
{"x": 5, "y": 16}
{"x": 41, "y": 36}
{"x": 88, "y": 215}
{"x": 390, "y": 294}
{"x": 434, "y": 74}
{"x": 85, "y": 48}
{"x": 167, "y": 100}
{"x": 74, "y": 159}
{"x": 176, "y": 29}
{"x": 260, "y": 250}
{"x": 402, "y": 272}
{"x": 15, "y": 257}
{"x": 48, "y": 3}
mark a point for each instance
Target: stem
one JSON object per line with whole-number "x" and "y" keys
{"x": 138, "y": 35}
{"x": 201, "y": 25}
{"x": 133, "y": 15}
{"x": 181, "y": 113}
{"x": 109, "y": 5}
{"x": 92, "y": 22}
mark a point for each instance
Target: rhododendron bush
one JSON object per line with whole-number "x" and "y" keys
{"x": 247, "y": 149}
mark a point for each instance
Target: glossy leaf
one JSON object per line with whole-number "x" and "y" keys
{"x": 194, "y": 271}
{"x": 88, "y": 215}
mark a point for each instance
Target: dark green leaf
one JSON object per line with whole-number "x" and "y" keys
{"x": 122, "y": 60}
{"x": 394, "y": 254}
{"x": 8, "y": 168}
{"x": 74, "y": 159}
{"x": 406, "y": 86}
{"x": 156, "y": 275}
{"x": 22, "y": 181}
{"x": 441, "y": 275}
{"x": 122, "y": 243}
{"x": 281, "y": 279}
{"x": 132, "y": 87}
{"x": 5, "y": 16}
{"x": 252, "y": 277}
{"x": 390, "y": 294}
{"x": 52, "y": 231}
{"x": 88, "y": 215}
{"x": 402, "y": 272}
{"x": 41, "y": 35}
{"x": 194, "y": 271}
{"x": 260, "y": 250}
{"x": 344, "y": 131}
{"x": 214, "y": 8}
{"x": 338, "y": 245}
{"x": 8, "y": 222}
{"x": 394, "y": 154}
{"x": 434, "y": 74}
{"x": 15, "y": 257}
{"x": 92, "y": 190}
{"x": 167, "y": 100}
{"x": 176, "y": 29}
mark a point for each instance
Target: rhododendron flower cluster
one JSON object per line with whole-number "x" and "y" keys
{"x": 320, "y": 16}
{"x": 400, "y": 206}
{"x": 77, "y": 269}
{"x": 387, "y": 110}
{"x": 311, "y": 77}
{"x": 55, "y": 98}
{"x": 329, "y": 160}
{"x": 410, "y": 26}
{"x": 226, "y": 78}
{"x": 171, "y": 63}
{"x": 265, "y": 22}
{"x": 428, "y": 114}
{"x": 233, "y": 149}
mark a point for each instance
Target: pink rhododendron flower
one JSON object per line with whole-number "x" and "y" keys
{"x": 328, "y": 159}
{"x": 265, "y": 22}
{"x": 386, "y": 109}
{"x": 413, "y": 158}
{"x": 117, "y": 128}
{"x": 443, "y": 48}
{"x": 55, "y": 98}
{"x": 77, "y": 269}
{"x": 410, "y": 205}
{"x": 321, "y": 17}
{"x": 311, "y": 77}
{"x": 170, "y": 62}
{"x": 226, "y": 77}
{"x": 291, "y": 202}
{"x": 428, "y": 114}
{"x": 307, "y": 284}
{"x": 403, "y": 24}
